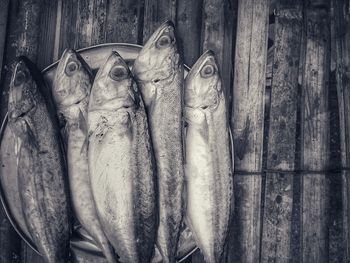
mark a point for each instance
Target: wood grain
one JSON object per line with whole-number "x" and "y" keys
{"x": 157, "y": 12}
{"x": 189, "y": 27}
{"x": 48, "y": 17}
{"x": 125, "y": 21}
{"x": 341, "y": 34}
{"x": 277, "y": 221}
{"x": 315, "y": 134}
{"x": 4, "y": 7}
{"x": 248, "y": 123}
{"x": 67, "y": 37}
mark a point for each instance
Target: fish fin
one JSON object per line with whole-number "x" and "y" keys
{"x": 231, "y": 147}
{"x": 82, "y": 122}
{"x": 85, "y": 145}
{"x": 31, "y": 135}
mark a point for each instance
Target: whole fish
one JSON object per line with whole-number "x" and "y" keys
{"x": 159, "y": 72}
{"x": 71, "y": 91}
{"x": 208, "y": 159}
{"x": 41, "y": 167}
{"x": 120, "y": 162}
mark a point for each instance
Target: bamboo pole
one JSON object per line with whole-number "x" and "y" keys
{"x": 248, "y": 124}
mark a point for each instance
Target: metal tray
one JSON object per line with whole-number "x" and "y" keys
{"x": 81, "y": 242}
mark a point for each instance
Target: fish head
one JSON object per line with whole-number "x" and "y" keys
{"x": 159, "y": 59}
{"x": 73, "y": 80}
{"x": 203, "y": 89}
{"x": 114, "y": 87}
{"x": 23, "y": 90}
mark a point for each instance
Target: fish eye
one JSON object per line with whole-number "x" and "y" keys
{"x": 207, "y": 71}
{"x": 71, "y": 67}
{"x": 164, "y": 41}
{"x": 118, "y": 73}
{"x": 20, "y": 78}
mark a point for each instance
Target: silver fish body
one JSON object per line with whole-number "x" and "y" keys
{"x": 121, "y": 162}
{"x": 208, "y": 158}
{"x": 71, "y": 90}
{"x": 41, "y": 166}
{"x": 158, "y": 70}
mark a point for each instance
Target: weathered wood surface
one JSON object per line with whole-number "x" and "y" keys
{"x": 4, "y": 7}
{"x": 189, "y": 28}
{"x": 42, "y": 29}
{"x": 155, "y": 13}
{"x": 315, "y": 134}
{"x": 341, "y": 34}
{"x": 277, "y": 221}
{"x": 248, "y": 123}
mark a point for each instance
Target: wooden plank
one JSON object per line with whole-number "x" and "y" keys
{"x": 188, "y": 25}
{"x": 48, "y": 19}
{"x": 68, "y": 21}
{"x": 315, "y": 133}
{"x": 277, "y": 221}
{"x": 4, "y": 7}
{"x": 341, "y": 26}
{"x": 125, "y": 21}
{"x": 155, "y": 13}
{"x": 28, "y": 255}
{"x": 248, "y": 123}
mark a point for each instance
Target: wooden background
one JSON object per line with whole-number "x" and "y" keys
{"x": 286, "y": 70}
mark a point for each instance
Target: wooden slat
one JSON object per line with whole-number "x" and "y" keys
{"x": 277, "y": 219}
{"x": 188, "y": 25}
{"x": 341, "y": 32}
{"x": 47, "y": 33}
{"x": 125, "y": 21}
{"x": 28, "y": 255}
{"x": 213, "y": 28}
{"x": 68, "y": 21}
{"x": 155, "y": 13}
{"x": 315, "y": 133}
{"x": 247, "y": 123}
{"x": 4, "y": 7}
{"x": 99, "y": 22}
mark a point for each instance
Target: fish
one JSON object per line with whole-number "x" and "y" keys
{"x": 71, "y": 91}
{"x": 208, "y": 168}
{"x": 159, "y": 72}
{"x": 42, "y": 176}
{"x": 121, "y": 162}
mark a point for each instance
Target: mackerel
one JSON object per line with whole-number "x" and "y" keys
{"x": 40, "y": 161}
{"x": 159, "y": 72}
{"x": 121, "y": 162}
{"x": 208, "y": 159}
